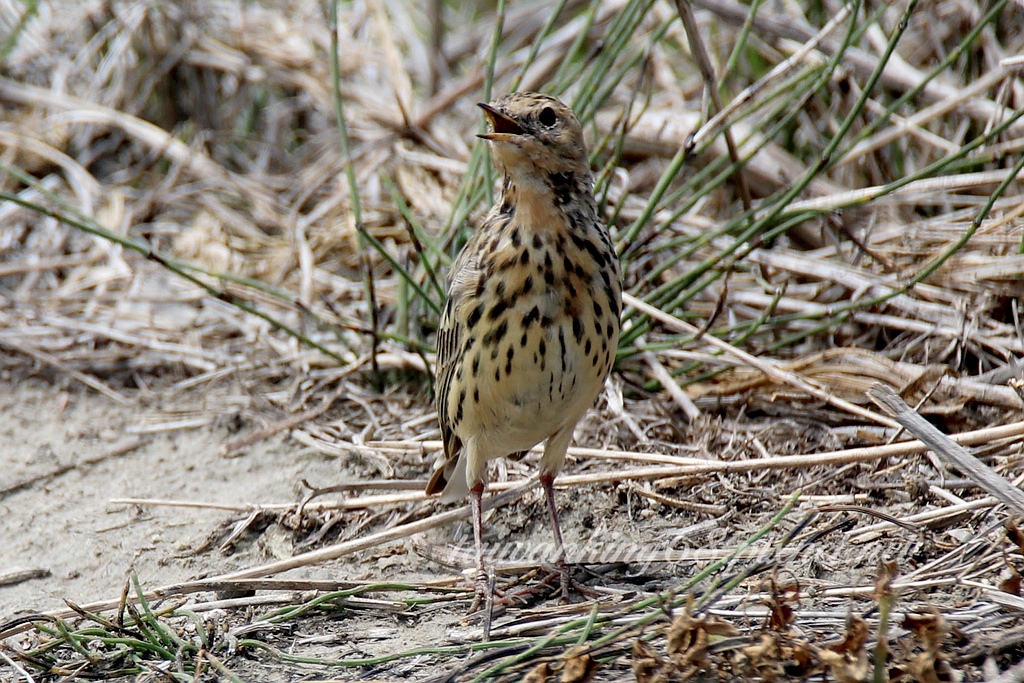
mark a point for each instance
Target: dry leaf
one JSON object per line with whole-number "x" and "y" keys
{"x": 538, "y": 674}
{"x": 688, "y": 637}
{"x": 856, "y": 636}
{"x": 782, "y": 613}
{"x": 646, "y": 662}
{"x": 931, "y": 665}
{"x": 846, "y": 668}
{"x": 848, "y": 660}
{"x": 579, "y": 668}
{"x": 766, "y": 657}
{"x": 1015, "y": 535}
{"x": 1010, "y": 584}
{"x": 887, "y": 572}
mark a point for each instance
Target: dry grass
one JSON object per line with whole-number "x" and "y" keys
{"x": 180, "y": 215}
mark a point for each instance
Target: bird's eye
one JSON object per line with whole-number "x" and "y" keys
{"x": 547, "y": 117}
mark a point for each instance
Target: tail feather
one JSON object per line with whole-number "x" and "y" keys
{"x": 449, "y": 479}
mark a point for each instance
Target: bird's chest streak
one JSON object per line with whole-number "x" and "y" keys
{"x": 534, "y": 358}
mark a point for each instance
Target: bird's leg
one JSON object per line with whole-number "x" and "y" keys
{"x": 547, "y": 481}
{"x": 481, "y": 584}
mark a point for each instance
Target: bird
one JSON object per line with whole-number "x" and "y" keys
{"x": 530, "y": 327}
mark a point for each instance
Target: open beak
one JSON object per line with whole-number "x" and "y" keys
{"x": 504, "y": 127}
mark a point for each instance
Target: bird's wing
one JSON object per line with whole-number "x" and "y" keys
{"x": 462, "y": 282}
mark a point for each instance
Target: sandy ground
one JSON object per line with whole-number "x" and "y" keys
{"x": 65, "y": 524}
{"x": 69, "y": 453}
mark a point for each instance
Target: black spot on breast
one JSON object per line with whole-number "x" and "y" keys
{"x": 613, "y": 301}
{"x": 567, "y": 264}
{"x": 516, "y": 238}
{"x": 527, "y": 285}
{"x": 497, "y": 334}
{"x": 561, "y": 348}
{"x": 458, "y": 411}
{"x": 596, "y": 254}
{"x": 524, "y": 258}
{"x": 474, "y": 317}
{"x": 610, "y": 330}
{"x": 476, "y": 395}
{"x": 577, "y": 329}
{"x": 508, "y": 360}
{"x": 538, "y": 241}
{"x": 586, "y": 347}
{"x": 476, "y": 364}
{"x": 531, "y": 317}
{"x": 563, "y": 187}
{"x": 598, "y": 311}
{"x": 497, "y": 309}
{"x": 499, "y": 289}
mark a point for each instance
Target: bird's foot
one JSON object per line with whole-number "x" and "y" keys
{"x": 545, "y": 588}
{"x": 569, "y": 585}
{"x": 486, "y": 594}
{"x": 484, "y": 591}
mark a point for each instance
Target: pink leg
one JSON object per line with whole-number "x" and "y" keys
{"x": 547, "y": 481}
{"x": 481, "y": 584}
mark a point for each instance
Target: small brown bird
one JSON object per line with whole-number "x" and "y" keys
{"x": 529, "y": 332}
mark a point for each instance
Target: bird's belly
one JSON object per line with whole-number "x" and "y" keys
{"x": 548, "y": 380}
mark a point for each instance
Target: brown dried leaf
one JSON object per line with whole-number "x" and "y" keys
{"x": 688, "y": 637}
{"x": 887, "y": 572}
{"x": 765, "y": 653}
{"x": 647, "y": 663}
{"x": 579, "y": 668}
{"x": 930, "y": 629}
{"x": 856, "y": 636}
{"x": 783, "y": 597}
{"x": 1011, "y": 584}
{"x": 924, "y": 667}
{"x": 804, "y": 657}
{"x": 929, "y": 666}
{"x": 846, "y": 668}
{"x": 1015, "y": 535}
{"x": 538, "y": 674}
{"x": 848, "y": 660}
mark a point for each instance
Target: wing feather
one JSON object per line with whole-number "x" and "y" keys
{"x": 462, "y": 282}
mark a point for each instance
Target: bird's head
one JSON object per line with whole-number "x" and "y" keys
{"x": 533, "y": 132}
